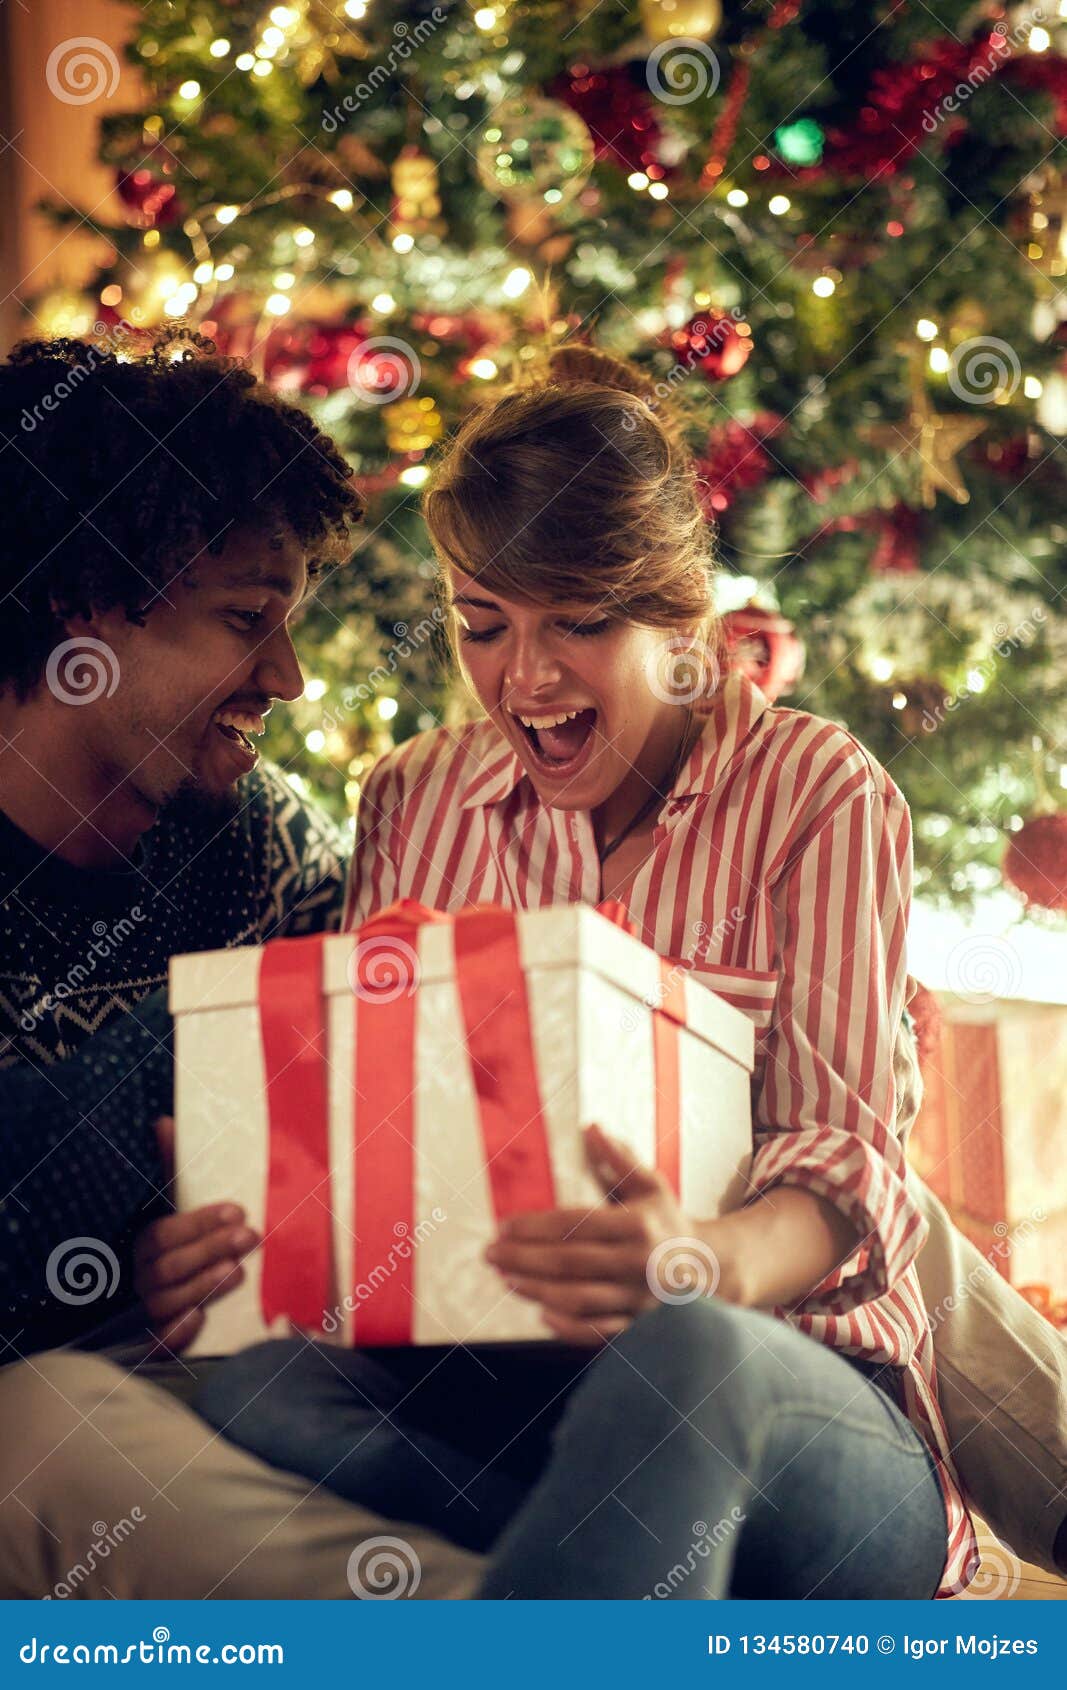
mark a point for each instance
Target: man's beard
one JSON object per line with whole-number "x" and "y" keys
{"x": 197, "y": 803}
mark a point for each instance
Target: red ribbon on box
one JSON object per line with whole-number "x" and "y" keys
{"x": 297, "y": 1277}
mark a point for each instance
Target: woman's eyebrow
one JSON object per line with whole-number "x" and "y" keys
{"x": 476, "y": 603}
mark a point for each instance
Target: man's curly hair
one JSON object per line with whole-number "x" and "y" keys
{"x": 116, "y": 474}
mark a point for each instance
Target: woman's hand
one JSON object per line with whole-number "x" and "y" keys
{"x": 594, "y": 1270}
{"x": 182, "y": 1262}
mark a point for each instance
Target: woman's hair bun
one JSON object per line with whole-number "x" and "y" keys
{"x": 577, "y": 363}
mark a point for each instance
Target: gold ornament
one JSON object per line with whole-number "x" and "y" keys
{"x": 669, "y": 20}
{"x": 156, "y": 288}
{"x": 64, "y": 313}
{"x": 532, "y": 148}
{"x": 934, "y": 437}
{"x": 416, "y": 194}
{"x": 412, "y": 425}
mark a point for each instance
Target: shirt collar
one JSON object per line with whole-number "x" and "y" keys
{"x": 731, "y": 717}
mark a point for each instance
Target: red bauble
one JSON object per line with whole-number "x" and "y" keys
{"x": 718, "y": 343}
{"x": 614, "y": 103}
{"x": 734, "y": 460}
{"x": 1035, "y": 862}
{"x": 313, "y": 358}
{"x": 764, "y": 645}
{"x": 155, "y": 203}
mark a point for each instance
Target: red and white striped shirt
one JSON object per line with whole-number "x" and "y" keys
{"x": 779, "y": 870}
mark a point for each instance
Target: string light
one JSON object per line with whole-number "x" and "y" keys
{"x": 737, "y": 196}
{"x": 245, "y": 61}
{"x": 939, "y": 360}
{"x": 516, "y": 282}
{"x": 278, "y": 304}
{"x": 189, "y": 90}
{"x": 304, "y": 237}
{"x": 414, "y": 476}
{"x": 779, "y": 205}
{"x": 823, "y": 286}
{"x": 403, "y": 243}
{"x": 223, "y": 272}
{"x": 342, "y": 199}
{"x": 925, "y": 329}
{"x": 226, "y": 213}
{"x": 1032, "y": 388}
{"x": 219, "y": 48}
{"x": 284, "y": 279}
{"x": 315, "y": 740}
{"x": 387, "y": 708}
{"x": 314, "y": 689}
{"x": 1039, "y": 40}
{"x": 383, "y": 302}
{"x": 656, "y": 190}
{"x": 638, "y": 181}
{"x": 483, "y": 368}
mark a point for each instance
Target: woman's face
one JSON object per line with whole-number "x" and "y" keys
{"x": 575, "y": 693}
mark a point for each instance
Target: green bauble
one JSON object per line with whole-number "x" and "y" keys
{"x": 533, "y": 148}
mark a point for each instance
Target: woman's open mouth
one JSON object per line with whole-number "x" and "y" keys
{"x": 559, "y": 741}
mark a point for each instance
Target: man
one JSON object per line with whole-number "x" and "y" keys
{"x": 163, "y": 520}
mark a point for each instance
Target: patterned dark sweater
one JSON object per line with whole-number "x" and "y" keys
{"x": 85, "y": 1037}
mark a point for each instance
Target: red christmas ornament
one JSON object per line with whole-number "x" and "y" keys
{"x": 154, "y": 203}
{"x": 312, "y": 358}
{"x": 718, "y": 343}
{"x": 616, "y": 107}
{"x": 734, "y": 460}
{"x": 764, "y": 645}
{"x": 898, "y": 541}
{"x": 1035, "y": 862}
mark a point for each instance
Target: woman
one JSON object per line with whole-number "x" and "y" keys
{"x": 614, "y": 760}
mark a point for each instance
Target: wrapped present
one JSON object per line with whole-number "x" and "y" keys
{"x": 991, "y": 1136}
{"x": 380, "y": 1101}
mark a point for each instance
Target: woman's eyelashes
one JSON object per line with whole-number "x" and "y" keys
{"x": 580, "y": 630}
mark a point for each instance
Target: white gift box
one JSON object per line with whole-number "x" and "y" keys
{"x": 604, "y": 1015}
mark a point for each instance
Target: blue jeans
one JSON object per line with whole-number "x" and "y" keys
{"x": 709, "y": 1451}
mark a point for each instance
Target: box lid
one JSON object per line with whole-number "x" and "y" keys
{"x": 561, "y": 936}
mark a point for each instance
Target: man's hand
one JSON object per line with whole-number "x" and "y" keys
{"x": 183, "y": 1262}
{"x": 593, "y": 1271}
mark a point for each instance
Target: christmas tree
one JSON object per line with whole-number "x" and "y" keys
{"x": 835, "y": 230}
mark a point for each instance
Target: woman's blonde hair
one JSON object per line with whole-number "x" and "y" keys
{"x": 578, "y": 486}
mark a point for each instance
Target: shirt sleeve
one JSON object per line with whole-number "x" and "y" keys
{"x": 825, "y": 1115}
{"x": 373, "y": 879}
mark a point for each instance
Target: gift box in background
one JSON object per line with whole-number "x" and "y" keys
{"x": 380, "y": 1101}
{"x": 991, "y": 1136}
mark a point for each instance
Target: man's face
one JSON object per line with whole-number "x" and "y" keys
{"x": 195, "y": 682}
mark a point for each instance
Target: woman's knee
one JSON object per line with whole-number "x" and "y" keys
{"x": 701, "y": 1347}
